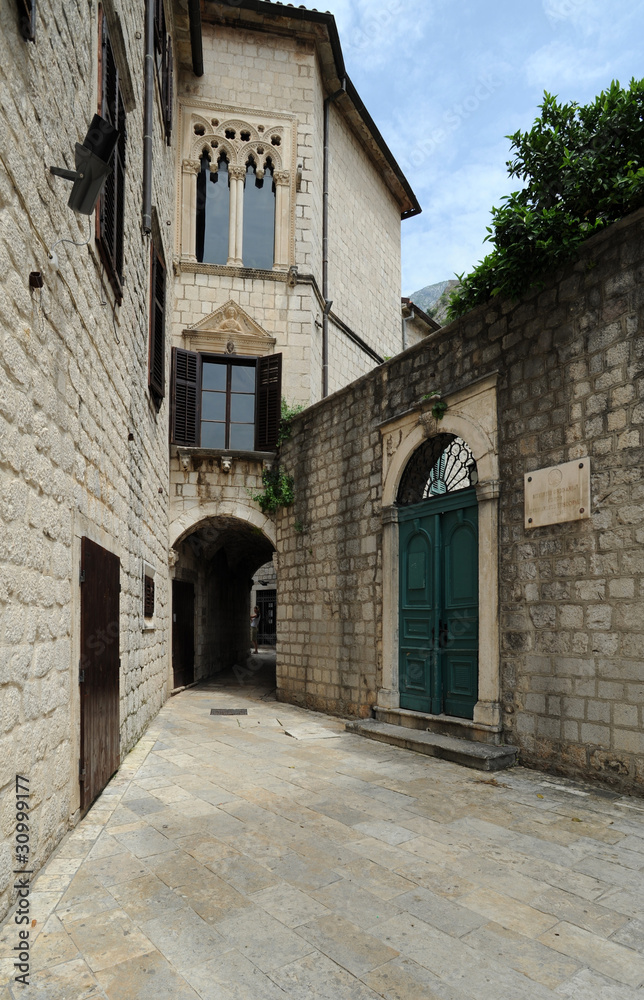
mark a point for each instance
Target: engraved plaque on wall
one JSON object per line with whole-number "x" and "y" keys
{"x": 560, "y": 493}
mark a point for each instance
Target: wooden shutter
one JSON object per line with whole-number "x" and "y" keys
{"x": 168, "y": 90}
{"x": 27, "y": 19}
{"x": 156, "y": 376}
{"x": 111, "y": 210}
{"x": 269, "y": 398}
{"x": 186, "y": 392}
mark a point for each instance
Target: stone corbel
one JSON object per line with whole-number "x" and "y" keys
{"x": 185, "y": 460}
{"x": 173, "y": 558}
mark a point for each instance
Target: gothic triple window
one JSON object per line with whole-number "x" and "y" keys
{"x": 241, "y": 206}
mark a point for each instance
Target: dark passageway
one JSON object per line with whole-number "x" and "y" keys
{"x": 216, "y": 562}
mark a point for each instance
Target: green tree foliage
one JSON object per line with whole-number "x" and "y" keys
{"x": 583, "y": 168}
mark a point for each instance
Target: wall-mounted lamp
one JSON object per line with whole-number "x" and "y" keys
{"x": 92, "y": 166}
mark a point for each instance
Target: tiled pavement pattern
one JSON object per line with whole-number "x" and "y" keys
{"x": 229, "y": 861}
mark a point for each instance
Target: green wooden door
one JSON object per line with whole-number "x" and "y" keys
{"x": 438, "y": 619}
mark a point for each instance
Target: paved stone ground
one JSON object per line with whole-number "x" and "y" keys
{"x": 230, "y": 861}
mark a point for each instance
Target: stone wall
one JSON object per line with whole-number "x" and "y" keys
{"x": 73, "y": 386}
{"x": 571, "y": 384}
{"x": 364, "y": 249}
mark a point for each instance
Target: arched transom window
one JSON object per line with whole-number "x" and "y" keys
{"x": 443, "y": 464}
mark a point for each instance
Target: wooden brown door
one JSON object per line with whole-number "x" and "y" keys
{"x": 99, "y": 670}
{"x": 183, "y": 633}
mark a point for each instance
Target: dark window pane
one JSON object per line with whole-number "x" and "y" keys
{"x": 213, "y": 203}
{"x": 213, "y": 406}
{"x": 259, "y": 220}
{"x": 242, "y": 436}
{"x": 213, "y": 435}
{"x": 242, "y": 408}
{"x": 214, "y": 376}
{"x": 243, "y": 378}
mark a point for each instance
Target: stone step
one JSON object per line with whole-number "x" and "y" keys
{"x": 483, "y": 756}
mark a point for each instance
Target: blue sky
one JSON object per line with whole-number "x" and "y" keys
{"x": 446, "y": 80}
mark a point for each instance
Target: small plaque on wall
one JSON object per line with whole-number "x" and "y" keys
{"x": 560, "y": 493}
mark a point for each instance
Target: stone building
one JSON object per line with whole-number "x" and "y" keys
{"x": 287, "y": 261}
{"x": 83, "y": 427}
{"x": 245, "y": 247}
{"x": 418, "y": 586}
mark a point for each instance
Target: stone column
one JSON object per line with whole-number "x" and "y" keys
{"x": 232, "y": 215}
{"x": 236, "y": 231}
{"x": 389, "y": 693}
{"x": 488, "y": 707}
{"x": 189, "y": 172}
{"x": 282, "y": 180}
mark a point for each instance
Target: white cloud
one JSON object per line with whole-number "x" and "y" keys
{"x": 562, "y": 64}
{"x": 448, "y": 238}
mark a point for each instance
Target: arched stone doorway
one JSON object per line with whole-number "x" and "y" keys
{"x": 438, "y": 579}
{"x": 214, "y": 560}
{"x": 470, "y": 418}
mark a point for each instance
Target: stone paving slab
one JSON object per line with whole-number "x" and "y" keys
{"x": 229, "y": 861}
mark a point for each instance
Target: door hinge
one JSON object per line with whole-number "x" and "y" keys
{"x": 81, "y": 771}
{"x": 81, "y": 674}
{"x": 81, "y": 576}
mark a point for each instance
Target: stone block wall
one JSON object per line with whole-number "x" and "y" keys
{"x": 73, "y": 386}
{"x": 364, "y": 245}
{"x": 571, "y": 384}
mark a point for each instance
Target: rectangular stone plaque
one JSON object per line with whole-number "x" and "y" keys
{"x": 560, "y": 493}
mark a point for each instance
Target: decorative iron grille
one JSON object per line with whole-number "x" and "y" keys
{"x": 443, "y": 464}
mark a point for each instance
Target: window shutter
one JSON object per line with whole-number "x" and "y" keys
{"x": 269, "y": 398}
{"x": 112, "y": 201}
{"x": 156, "y": 378}
{"x": 186, "y": 377}
{"x": 168, "y": 90}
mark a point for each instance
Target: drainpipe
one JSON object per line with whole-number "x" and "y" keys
{"x": 325, "y": 241}
{"x": 148, "y": 118}
{"x": 196, "y": 44}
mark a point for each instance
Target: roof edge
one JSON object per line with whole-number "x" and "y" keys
{"x": 269, "y": 8}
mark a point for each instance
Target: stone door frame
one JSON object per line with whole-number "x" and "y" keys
{"x": 472, "y": 415}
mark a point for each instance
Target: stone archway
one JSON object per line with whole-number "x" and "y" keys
{"x": 471, "y": 415}
{"x": 214, "y": 558}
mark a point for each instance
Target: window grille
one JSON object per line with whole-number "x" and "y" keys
{"x": 443, "y": 464}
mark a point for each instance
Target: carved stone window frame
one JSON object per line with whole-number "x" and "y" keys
{"x": 260, "y": 127}
{"x": 471, "y": 415}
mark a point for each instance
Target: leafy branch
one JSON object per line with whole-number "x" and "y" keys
{"x": 583, "y": 168}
